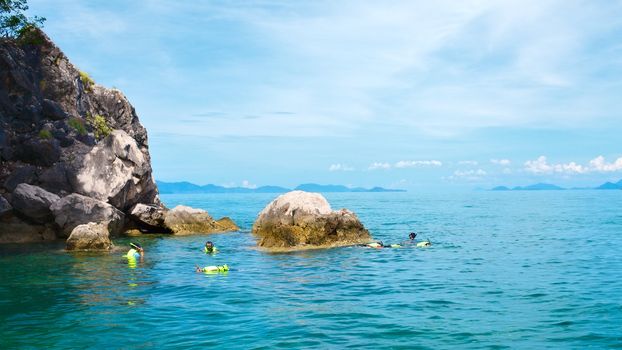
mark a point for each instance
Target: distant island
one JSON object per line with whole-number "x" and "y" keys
{"x": 551, "y": 187}
{"x": 188, "y": 187}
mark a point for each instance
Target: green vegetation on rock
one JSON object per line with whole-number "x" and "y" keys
{"x": 45, "y": 134}
{"x": 86, "y": 80}
{"x": 100, "y": 126}
{"x": 78, "y": 125}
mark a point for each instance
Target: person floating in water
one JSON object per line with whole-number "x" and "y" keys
{"x": 411, "y": 240}
{"x": 136, "y": 251}
{"x": 209, "y": 248}
{"x": 379, "y": 244}
{"x": 212, "y": 268}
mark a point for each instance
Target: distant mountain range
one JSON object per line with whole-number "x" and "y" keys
{"x": 188, "y": 187}
{"x": 551, "y": 187}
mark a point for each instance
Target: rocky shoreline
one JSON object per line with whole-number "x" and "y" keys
{"x": 74, "y": 157}
{"x": 75, "y": 165}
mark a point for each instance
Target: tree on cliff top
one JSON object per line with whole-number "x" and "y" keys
{"x": 13, "y": 21}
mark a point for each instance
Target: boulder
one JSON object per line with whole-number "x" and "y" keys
{"x": 116, "y": 171}
{"x": 5, "y": 207}
{"x": 186, "y": 220}
{"x": 300, "y": 220}
{"x": 91, "y": 236}
{"x": 149, "y": 217}
{"x": 75, "y": 209}
{"x": 33, "y": 202}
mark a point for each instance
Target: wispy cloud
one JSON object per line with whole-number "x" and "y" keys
{"x": 503, "y": 162}
{"x": 340, "y": 167}
{"x": 379, "y": 165}
{"x": 598, "y": 164}
{"x": 417, "y": 163}
{"x": 468, "y": 175}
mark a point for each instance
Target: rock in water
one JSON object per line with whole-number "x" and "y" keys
{"x": 299, "y": 220}
{"x": 186, "y": 220}
{"x": 91, "y": 236}
{"x": 75, "y": 209}
{"x": 33, "y": 202}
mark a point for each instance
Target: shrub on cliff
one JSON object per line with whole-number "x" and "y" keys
{"x": 13, "y": 21}
{"x": 100, "y": 126}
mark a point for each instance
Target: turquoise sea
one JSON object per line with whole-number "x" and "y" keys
{"x": 519, "y": 270}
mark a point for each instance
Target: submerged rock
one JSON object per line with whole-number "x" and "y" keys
{"x": 74, "y": 210}
{"x": 91, "y": 236}
{"x": 186, "y": 220}
{"x": 300, "y": 220}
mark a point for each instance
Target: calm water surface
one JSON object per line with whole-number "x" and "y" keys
{"x": 520, "y": 270}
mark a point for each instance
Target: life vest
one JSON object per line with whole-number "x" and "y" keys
{"x": 132, "y": 254}
{"x": 214, "y": 250}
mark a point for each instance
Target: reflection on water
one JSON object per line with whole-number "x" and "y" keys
{"x": 526, "y": 270}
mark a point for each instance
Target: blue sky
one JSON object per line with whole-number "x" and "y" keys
{"x": 410, "y": 94}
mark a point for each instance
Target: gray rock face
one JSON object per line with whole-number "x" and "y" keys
{"x": 5, "y": 207}
{"x": 53, "y": 126}
{"x": 75, "y": 209}
{"x": 25, "y": 174}
{"x": 91, "y": 236}
{"x": 299, "y": 220}
{"x": 33, "y": 202}
{"x": 115, "y": 171}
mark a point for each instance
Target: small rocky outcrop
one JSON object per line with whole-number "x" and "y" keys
{"x": 302, "y": 220}
{"x": 183, "y": 220}
{"x": 71, "y": 151}
{"x": 91, "y": 236}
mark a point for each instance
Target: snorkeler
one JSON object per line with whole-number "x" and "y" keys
{"x": 209, "y": 248}
{"x": 136, "y": 251}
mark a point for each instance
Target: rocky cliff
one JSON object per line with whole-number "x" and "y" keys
{"x": 71, "y": 151}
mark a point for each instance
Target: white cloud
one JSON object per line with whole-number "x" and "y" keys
{"x": 340, "y": 167}
{"x": 598, "y": 164}
{"x": 379, "y": 165}
{"x": 503, "y": 162}
{"x": 468, "y": 175}
{"x": 247, "y": 184}
{"x": 468, "y": 162}
{"x": 417, "y": 163}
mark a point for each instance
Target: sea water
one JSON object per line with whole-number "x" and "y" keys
{"x": 520, "y": 270}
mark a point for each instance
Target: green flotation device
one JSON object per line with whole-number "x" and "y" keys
{"x": 215, "y": 268}
{"x": 214, "y": 250}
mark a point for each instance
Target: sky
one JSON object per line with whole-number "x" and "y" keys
{"x": 399, "y": 94}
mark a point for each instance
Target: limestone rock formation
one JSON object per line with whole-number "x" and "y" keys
{"x": 91, "y": 236}
{"x": 76, "y": 209}
{"x": 62, "y": 135}
{"x": 300, "y": 220}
